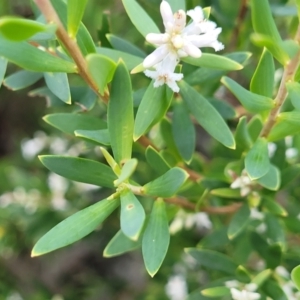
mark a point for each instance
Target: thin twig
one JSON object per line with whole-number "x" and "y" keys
{"x": 70, "y": 44}
{"x": 288, "y": 75}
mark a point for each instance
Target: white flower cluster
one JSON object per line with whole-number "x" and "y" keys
{"x": 246, "y": 293}
{"x": 244, "y": 183}
{"x": 178, "y": 41}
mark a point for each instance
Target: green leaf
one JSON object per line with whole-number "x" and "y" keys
{"x": 215, "y": 292}
{"x": 225, "y": 109}
{"x": 75, "y": 227}
{"x": 261, "y": 277}
{"x": 263, "y": 21}
{"x": 126, "y": 171}
{"x": 296, "y": 276}
{"x": 83, "y": 37}
{"x": 276, "y": 49}
{"x": 156, "y": 238}
{"x": 294, "y": 92}
{"x": 68, "y": 123}
{"x": 255, "y": 126}
{"x": 31, "y": 58}
{"x": 226, "y": 193}
{"x": 242, "y": 136}
{"x": 289, "y": 174}
{"x": 183, "y": 131}
{"x": 156, "y": 161}
{"x": 287, "y": 123}
{"x": 213, "y": 260}
{"x": 3, "y": 65}
{"x": 96, "y": 136}
{"x": 262, "y": 81}
{"x": 166, "y": 185}
{"x": 130, "y": 60}
{"x": 213, "y": 61}
{"x": 272, "y": 289}
{"x": 110, "y": 160}
{"x": 207, "y": 75}
{"x": 273, "y": 207}
{"x": 58, "y": 84}
{"x": 120, "y": 244}
{"x": 152, "y": 109}
{"x": 125, "y": 46}
{"x": 18, "y": 29}
{"x": 252, "y": 102}
{"x": 75, "y": 14}
{"x": 257, "y": 162}
{"x": 80, "y": 169}
{"x": 239, "y": 222}
{"x": 271, "y": 180}
{"x": 21, "y": 80}
{"x": 139, "y": 18}
{"x": 132, "y": 215}
{"x": 120, "y": 114}
{"x": 275, "y": 232}
{"x": 206, "y": 115}
{"x": 101, "y": 69}
{"x": 242, "y": 274}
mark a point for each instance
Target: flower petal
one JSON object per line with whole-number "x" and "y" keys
{"x": 167, "y": 14}
{"x": 156, "y": 56}
{"x": 157, "y": 38}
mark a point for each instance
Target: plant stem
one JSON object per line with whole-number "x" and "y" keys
{"x": 70, "y": 44}
{"x": 288, "y": 75}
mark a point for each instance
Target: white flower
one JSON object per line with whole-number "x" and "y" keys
{"x": 243, "y": 182}
{"x": 243, "y": 295}
{"x": 176, "y": 288}
{"x": 178, "y": 41}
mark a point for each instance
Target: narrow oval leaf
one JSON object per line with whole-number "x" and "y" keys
{"x": 271, "y": 180}
{"x": 276, "y": 49}
{"x": 226, "y": 193}
{"x": 127, "y": 170}
{"x": 132, "y": 215}
{"x": 263, "y": 21}
{"x": 110, "y": 160}
{"x": 58, "y": 84}
{"x": 125, "y": 46}
{"x": 262, "y": 81}
{"x": 75, "y": 14}
{"x": 183, "y": 131}
{"x": 214, "y": 292}
{"x": 152, "y": 109}
{"x": 257, "y": 162}
{"x": 272, "y": 289}
{"x": 3, "y": 65}
{"x": 252, "y": 102}
{"x": 80, "y": 169}
{"x": 294, "y": 92}
{"x": 242, "y": 135}
{"x": 213, "y": 61}
{"x": 18, "y": 29}
{"x": 296, "y": 276}
{"x": 239, "y": 222}
{"x": 83, "y": 37}
{"x": 166, "y": 185}
{"x": 130, "y": 60}
{"x": 75, "y": 227}
{"x": 213, "y": 260}
{"x": 68, "y": 123}
{"x": 261, "y": 277}
{"x": 102, "y": 70}
{"x": 33, "y": 59}
{"x": 156, "y": 161}
{"x": 275, "y": 232}
{"x": 139, "y": 17}
{"x": 21, "y": 80}
{"x": 207, "y": 115}
{"x": 274, "y": 207}
{"x": 120, "y": 114}
{"x": 120, "y": 244}
{"x": 100, "y": 137}
{"x": 156, "y": 238}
